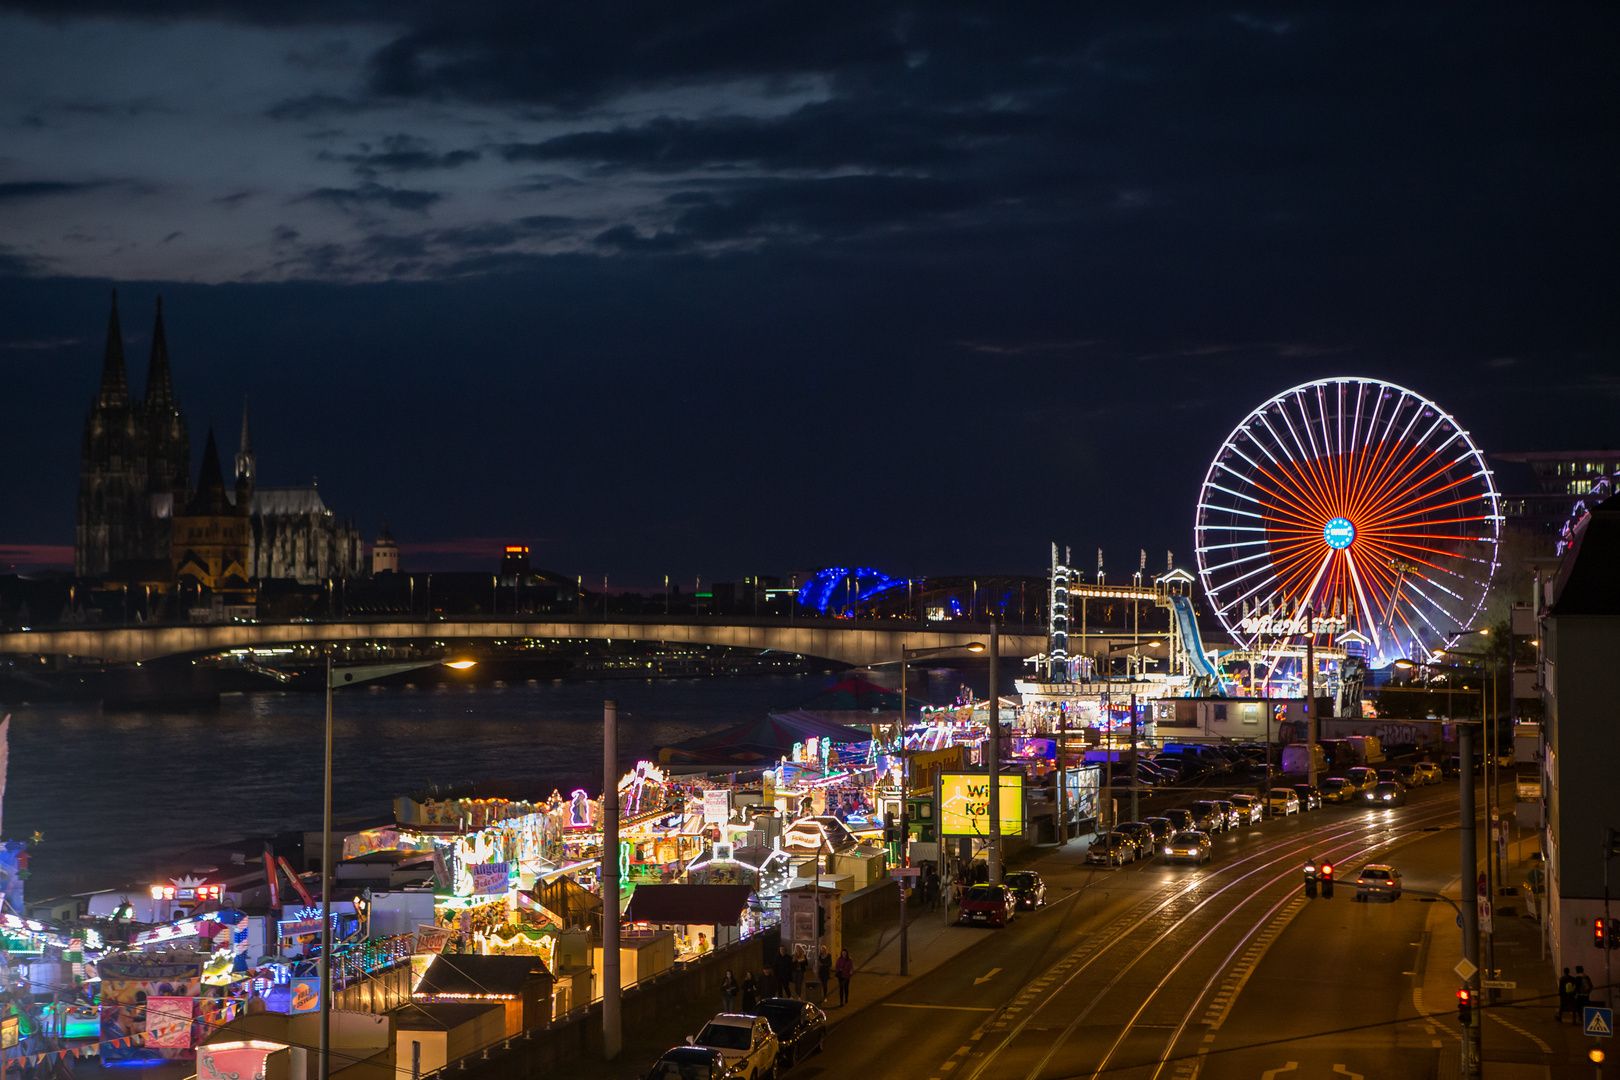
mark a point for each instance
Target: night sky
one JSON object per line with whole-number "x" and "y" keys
{"x": 737, "y": 288}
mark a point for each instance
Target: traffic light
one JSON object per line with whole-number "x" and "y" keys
{"x": 821, "y": 917}
{"x": 1310, "y": 880}
{"x": 1465, "y": 1007}
{"x": 1327, "y": 880}
{"x": 1599, "y": 934}
{"x": 889, "y": 834}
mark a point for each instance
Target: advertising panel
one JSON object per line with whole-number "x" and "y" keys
{"x": 964, "y": 802}
{"x": 304, "y": 995}
{"x": 235, "y": 1060}
{"x": 716, "y": 806}
{"x": 490, "y": 879}
{"x": 128, "y": 983}
{"x": 168, "y": 1022}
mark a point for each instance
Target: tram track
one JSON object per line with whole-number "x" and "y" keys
{"x": 1162, "y": 918}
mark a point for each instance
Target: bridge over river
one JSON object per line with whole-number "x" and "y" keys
{"x": 857, "y": 642}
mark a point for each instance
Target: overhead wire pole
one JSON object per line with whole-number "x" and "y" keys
{"x": 1470, "y": 912}
{"x": 612, "y": 1032}
{"x": 994, "y": 750}
{"x": 326, "y": 888}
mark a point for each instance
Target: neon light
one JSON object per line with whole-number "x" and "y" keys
{"x": 1339, "y": 533}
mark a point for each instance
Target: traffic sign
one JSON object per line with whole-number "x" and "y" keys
{"x": 1499, "y": 984}
{"x": 1465, "y": 969}
{"x": 1599, "y": 1022}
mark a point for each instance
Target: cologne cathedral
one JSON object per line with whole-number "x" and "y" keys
{"x": 142, "y": 519}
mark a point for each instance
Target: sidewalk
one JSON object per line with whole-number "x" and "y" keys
{"x": 1521, "y": 1037}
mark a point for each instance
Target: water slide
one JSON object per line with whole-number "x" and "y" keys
{"x": 1193, "y": 645}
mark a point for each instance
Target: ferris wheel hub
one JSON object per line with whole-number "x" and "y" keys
{"x": 1339, "y": 533}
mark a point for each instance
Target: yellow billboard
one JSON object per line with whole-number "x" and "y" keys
{"x": 964, "y": 804}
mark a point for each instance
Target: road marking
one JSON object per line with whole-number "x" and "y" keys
{"x": 1342, "y": 1071}
{"x": 959, "y": 1008}
{"x": 1271, "y": 1074}
{"x": 986, "y": 977}
{"x": 1543, "y": 1047}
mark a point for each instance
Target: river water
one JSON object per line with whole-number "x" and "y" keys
{"x": 116, "y": 796}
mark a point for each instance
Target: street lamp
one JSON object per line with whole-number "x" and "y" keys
{"x": 906, "y": 656}
{"x": 336, "y": 677}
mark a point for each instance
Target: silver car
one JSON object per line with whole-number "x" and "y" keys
{"x": 1378, "y": 880}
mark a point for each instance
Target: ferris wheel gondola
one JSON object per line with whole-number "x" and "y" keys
{"x": 1349, "y": 504}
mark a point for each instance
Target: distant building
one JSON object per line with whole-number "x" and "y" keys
{"x": 385, "y": 554}
{"x": 1560, "y": 479}
{"x": 294, "y": 535}
{"x": 211, "y": 534}
{"x": 135, "y": 481}
{"x": 134, "y": 465}
{"x": 514, "y": 563}
{"x": 1580, "y": 638}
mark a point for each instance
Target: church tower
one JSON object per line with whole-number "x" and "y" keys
{"x": 112, "y": 469}
{"x": 168, "y": 447}
{"x": 247, "y": 462}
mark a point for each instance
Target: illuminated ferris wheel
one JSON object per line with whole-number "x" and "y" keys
{"x": 1358, "y": 499}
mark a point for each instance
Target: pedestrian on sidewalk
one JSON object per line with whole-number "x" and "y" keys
{"x": 728, "y": 991}
{"x": 846, "y": 971}
{"x": 750, "y": 993}
{"x": 1567, "y": 988}
{"x": 931, "y": 888}
{"x": 784, "y": 973}
{"x": 824, "y": 966}
{"x": 801, "y": 964}
{"x": 1583, "y": 993}
{"x": 767, "y": 982}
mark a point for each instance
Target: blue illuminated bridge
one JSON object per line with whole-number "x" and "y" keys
{"x": 849, "y": 641}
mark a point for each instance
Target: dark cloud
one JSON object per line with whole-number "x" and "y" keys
{"x": 34, "y": 189}
{"x": 312, "y": 106}
{"x": 375, "y": 195}
{"x": 404, "y": 153}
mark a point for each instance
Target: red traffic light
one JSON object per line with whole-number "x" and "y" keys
{"x": 1327, "y": 870}
{"x": 1462, "y": 997}
{"x": 1599, "y": 933}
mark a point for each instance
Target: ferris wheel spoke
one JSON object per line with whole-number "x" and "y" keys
{"x": 1361, "y": 597}
{"x": 1413, "y": 489}
{"x": 1230, "y": 510}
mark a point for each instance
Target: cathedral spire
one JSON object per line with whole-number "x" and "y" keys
{"x": 114, "y": 383}
{"x": 209, "y": 497}
{"x": 247, "y": 466}
{"x": 159, "y": 386}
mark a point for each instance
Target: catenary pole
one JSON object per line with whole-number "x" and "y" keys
{"x": 612, "y": 1032}
{"x": 1470, "y": 911}
{"x": 993, "y": 763}
{"x": 326, "y": 888}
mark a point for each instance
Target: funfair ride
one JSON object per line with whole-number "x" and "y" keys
{"x": 1342, "y": 505}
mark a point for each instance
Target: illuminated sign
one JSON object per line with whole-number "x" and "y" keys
{"x": 234, "y": 1060}
{"x": 304, "y": 996}
{"x": 964, "y": 800}
{"x": 1339, "y": 533}
{"x": 1284, "y": 625}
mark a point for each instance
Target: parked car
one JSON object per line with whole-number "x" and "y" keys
{"x": 1139, "y": 834}
{"x": 747, "y": 1042}
{"x": 1207, "y": 817}
{"x": 1161, "y": 829}
{"x": 1406, "y": 773}
{"x": 1378, "y": 880}
{"x": 1338, "y": 789}
{"x": 1029, "y": 891}
{"x": 1191, "y": 846}
{"x": 1309, "y": 798}
{"x": 1281, "y": 801}
{"x": 1225, "y": 807}
{"x": 1249, "y": 809}
{"x": 1364, "y": 777}
{"x": 1389, "y": 793}
{"x": 1111, "y": 849}
{"x": 690, "y": 1063}
{"x": 1389, "y": 776}
{"x": 1181, "y": 819}
{"x": 1427, "y": 772}
{"x": 800, "y": 1027}
{"x": 987, "y": 905}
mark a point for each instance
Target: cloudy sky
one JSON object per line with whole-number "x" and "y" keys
{"x": 726, "y": 288}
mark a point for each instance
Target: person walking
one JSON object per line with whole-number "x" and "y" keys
{"x": 728, "y": 991}
{"x": 1567, "y": 988}
{"x": 784, "y": 973}
{"x": 824, "y": 971}
{"x": 801, "y": 964}
{"x": 750, "y": 993}
{"x": 1583, "y": 993}
{"x": 846, "y": 971}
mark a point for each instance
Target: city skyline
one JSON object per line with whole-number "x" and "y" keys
{"x": 663, "y": 296}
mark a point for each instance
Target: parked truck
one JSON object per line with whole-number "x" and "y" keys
{"x": 1296, "y": 760}
{"x": 1365, "y": 749}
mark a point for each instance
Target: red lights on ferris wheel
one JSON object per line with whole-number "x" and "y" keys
{"x": 1359, "y": 499}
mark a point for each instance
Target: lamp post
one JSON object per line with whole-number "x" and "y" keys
{"x": 993, "y": 765}
{"x": 906, "y": 656}
{"x": 336, "y": 677}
